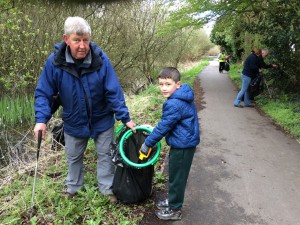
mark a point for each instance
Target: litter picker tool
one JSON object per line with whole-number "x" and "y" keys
{"x": 36, "y": 166}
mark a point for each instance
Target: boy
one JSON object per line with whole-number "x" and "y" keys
{"x": 179, "y": 124}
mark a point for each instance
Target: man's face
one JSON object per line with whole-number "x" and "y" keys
{"x": 168, "y": 86}
{"x": 79, "y": 44}
{"x": 264, "y": 54}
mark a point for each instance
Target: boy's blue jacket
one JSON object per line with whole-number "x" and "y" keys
{"x": 179, "y": 122}
{"x": 91, "y": 100}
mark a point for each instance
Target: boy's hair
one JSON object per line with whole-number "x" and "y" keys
{"x": 77, "y": 25}
{"x": 170, "y": 72}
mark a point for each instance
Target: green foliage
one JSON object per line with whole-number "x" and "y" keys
{"x": 235, "y": 74}
{"x": 129, "y": 32}
{"x": 242, "y": 25}
{"x": 284, "y": 112}
{"x": 189, "y": 76}
{"x": 16, "y": 110}
{"x": 187, "y": 45}
{"x": 160, "y": 180}
{"x": 23, "y": 53}
{"x": 89, "y": 207}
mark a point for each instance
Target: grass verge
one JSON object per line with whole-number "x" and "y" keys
{"x": 89, "y": 207}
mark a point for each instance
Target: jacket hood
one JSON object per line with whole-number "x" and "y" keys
{"x": 184, "y": 93}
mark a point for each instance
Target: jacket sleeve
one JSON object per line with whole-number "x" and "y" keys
{"x": 114, "y": 93}
{"x": 44, "y": 93}
{"x": 171, "y": 115}
{"x": 263, "y": 65}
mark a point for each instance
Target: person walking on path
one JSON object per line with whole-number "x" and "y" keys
{"x": 91, "y": 97}
{"x": 179, "y": 124}
{"x": 250, "y": 70}
{"x": 222, "y": 60}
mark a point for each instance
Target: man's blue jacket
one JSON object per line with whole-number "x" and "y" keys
{"x": 91, "y": 95}
{"x": 179, "y": 123}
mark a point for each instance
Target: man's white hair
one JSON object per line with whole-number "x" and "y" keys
{"x": 264, "y": 52}
{"x": 77, "y": 25}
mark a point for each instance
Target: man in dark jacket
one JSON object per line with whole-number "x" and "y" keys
{"x": 91, "y": 97}
{"x": 179, "y": 124}
{"x": 250, "y": 70}
{"x": 256, "y": 85}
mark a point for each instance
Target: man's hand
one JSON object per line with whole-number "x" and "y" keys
{"x": 42, "y": 127}
{"x": 145, "y": 149}
{"x": 131, "y": 125}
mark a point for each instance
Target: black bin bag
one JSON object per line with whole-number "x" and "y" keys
{"x": 132, "y": 185}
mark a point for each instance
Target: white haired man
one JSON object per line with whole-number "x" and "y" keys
{"x": 91, "y": 97}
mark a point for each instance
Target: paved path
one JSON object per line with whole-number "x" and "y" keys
{"x": 246, "y": 170}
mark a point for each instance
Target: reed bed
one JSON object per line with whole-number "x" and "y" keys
{"x": 16, "y": 110}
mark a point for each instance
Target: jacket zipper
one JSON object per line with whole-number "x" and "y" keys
{"x": 87, "y": 105}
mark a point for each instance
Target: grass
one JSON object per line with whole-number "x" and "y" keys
{"x": 283, "y": 109}
{"x": 285, "y": 114}
{"x": 17, "y": 110}
{"x": 189, "y": 75}
{"x": 90, "y": 207}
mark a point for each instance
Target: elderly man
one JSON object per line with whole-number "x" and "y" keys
{"x": 91, "y": 97}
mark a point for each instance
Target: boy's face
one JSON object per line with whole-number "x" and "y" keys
{"x": 168, "y": 86}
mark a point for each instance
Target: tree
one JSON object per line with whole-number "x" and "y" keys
{"x": 244, "y": 24}
{"x": 132, "y": 33}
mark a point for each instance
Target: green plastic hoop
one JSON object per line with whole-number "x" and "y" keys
{"x": 126, "y": 135}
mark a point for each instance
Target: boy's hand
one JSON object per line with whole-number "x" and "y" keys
{"x": 144, "y": 149}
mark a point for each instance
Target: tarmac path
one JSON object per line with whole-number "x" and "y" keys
{"x": 245, "y": 171}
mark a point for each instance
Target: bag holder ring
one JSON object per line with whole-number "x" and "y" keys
{"x": 126, "y": 135}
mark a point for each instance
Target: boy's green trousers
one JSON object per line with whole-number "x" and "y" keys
{"x": 180, "y": 161}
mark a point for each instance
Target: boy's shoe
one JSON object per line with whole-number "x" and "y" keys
{"x": 169, "y": 214}
{"x": 163, "y": 204}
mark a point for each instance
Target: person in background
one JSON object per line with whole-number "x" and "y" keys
{"x": 179, "y": 124}
{"x": 262, "y": 64}
{"x": 250, "y": 70}
{"x": 91, "y": 97}
{"x": 222, "y": 60}
{"x": 228, "y": 57}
